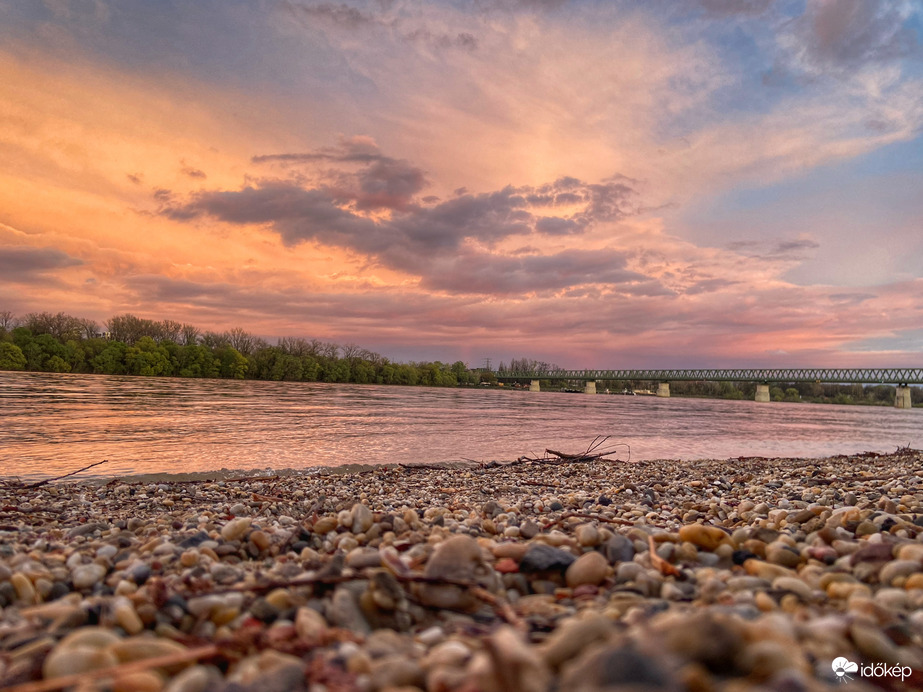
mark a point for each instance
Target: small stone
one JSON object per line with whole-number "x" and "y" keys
{"x": 706, "y": 537}
{"x": 235, "y": 528}
{"x": 794, "y": 585}
{"x": 451, "y": 653}
{"x": 529, "y": 529}
{"x": 138, "y": 681}
{"x": 898, "y": 568}
{"x": 522, "y": 669}
{"x": 309, "y": 624}
{"x": 619, "y": 549}
{"x": 325, "y": 525}
{"x": 766, "y": 570}
{"x": 781, "y": 554}
{"x": 260, "y": 540}
{"x": 589, "y": 568}
{"x": 459, "y": 557}
{"x": 195, "y": 679}
{"x": 82, "y": 650}
{"x": 617, "y": 668}
{"x": 573, "y": 637}
{"x": 394, "y": 672}
{"x": 125, "y": 616}
{"x": 362, "y": 518}
{"x": 587, "y": 535}
{"x": 76, "y": 660}
{"x": 239, "y": 510}
{"x": 873, "y": 643}
{"x": 25, "y": 590}
{"x": 541, "y": 558}
{"x": 143, "y": 647}
{"x": 343, "y": 611}
{"x": 87, "y": 576}
{"x": 709, "y": 639}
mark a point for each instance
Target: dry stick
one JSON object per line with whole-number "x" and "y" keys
{"x": 501, "y": 606}
{"x": 49, "y": 480}
{"x": 114, "y": 671}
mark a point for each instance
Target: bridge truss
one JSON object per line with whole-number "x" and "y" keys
{"x": 837, "y": 375}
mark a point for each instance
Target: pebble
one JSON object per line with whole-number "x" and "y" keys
{"x": 235, "y": 528}
{"x": 764, "y": 576}
{"x": 542, "y": 558}
{"x": 87, "y": 576}
{"x": 589, "y": 568}
{"x": 706, "y": 537}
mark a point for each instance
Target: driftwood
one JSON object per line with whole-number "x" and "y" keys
{"x": 66, "y": 475}
{"x": 114, "y": 672}
{"x": 598, "y": 450}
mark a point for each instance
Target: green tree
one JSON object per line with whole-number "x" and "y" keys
{"x": 11, "y": 357}
{"x": 111, "y": 360}
{"x": 148, "y": 358}
{"x": 57, "y": 364}
{"x": 287, "y": 367}
{"x": 363, "y": 372}
{"x": 336, "y": 370}
{"x": 196, "y": 361}
{"x": 233, "y": 364}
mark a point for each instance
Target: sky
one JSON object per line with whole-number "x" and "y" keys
{"x": 592, "y": 183}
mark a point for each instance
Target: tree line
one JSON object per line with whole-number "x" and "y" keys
{"x": 131, "y": 345}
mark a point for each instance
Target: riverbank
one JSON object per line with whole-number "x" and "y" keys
{"x": 725, "y": 575}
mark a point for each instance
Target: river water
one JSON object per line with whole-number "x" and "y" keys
{"x": 52, "y": 424}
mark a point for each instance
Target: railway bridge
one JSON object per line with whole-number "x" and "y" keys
{"x": 763, "y": 377}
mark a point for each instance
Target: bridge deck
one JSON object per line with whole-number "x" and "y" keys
{"x": 842, "y": 375}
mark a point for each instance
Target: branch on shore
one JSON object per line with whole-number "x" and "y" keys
{"x": 66, "y": 475}
{"x": 115, "y": 672}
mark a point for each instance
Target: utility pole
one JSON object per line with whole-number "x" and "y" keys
{"x": 487, "y": 364}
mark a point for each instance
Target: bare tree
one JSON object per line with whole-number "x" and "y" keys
{"x": 215, "y": 339}
{"x": 295, "y": 346}
{"x": 241, "y": 340}
{"x": 8, "y": 320}
{"x": 171, "y": 330}
{"x": 189, "y": 335}
{"x": 90, "y": 328}
{"x": 60, "y": 325}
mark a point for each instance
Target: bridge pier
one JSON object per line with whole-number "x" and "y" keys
{"x": 590, "y": 387}
{"x": 534, "y": 387}
{"x": 902, "y": 397}
{"x": 762, "y": 392}
{"x": 663, "y": 389}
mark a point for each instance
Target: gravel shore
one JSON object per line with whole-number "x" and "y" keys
{"x": 735, "y": 574}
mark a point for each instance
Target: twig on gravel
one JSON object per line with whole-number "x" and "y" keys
{"x": 115, "y": 671}
{"x": 72, "y": 473}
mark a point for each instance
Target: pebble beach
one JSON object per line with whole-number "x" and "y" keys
{"x": 738, "y": 574}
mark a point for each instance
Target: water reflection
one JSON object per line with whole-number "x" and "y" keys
{"x": 52, "y": 424}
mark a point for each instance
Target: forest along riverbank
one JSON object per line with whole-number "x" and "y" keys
{"x": 663, "y": 575}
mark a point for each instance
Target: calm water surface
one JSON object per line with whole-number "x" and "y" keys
{"x": 53, "y": 424}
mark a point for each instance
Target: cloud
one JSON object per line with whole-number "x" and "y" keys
{"x": 194, "y": 173}
{"x": 778, "y": 250}
{"x": 848, "y": 34}
{"x": 369, "y": 204}
{"x": 728, "y": 8}
{"x": 488, "y": 274}
{"x": 22, "y": 263}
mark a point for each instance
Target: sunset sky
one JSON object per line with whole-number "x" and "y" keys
{"x": 667, "y": 183}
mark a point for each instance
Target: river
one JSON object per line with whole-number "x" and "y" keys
{"x": 51, "y": 424}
